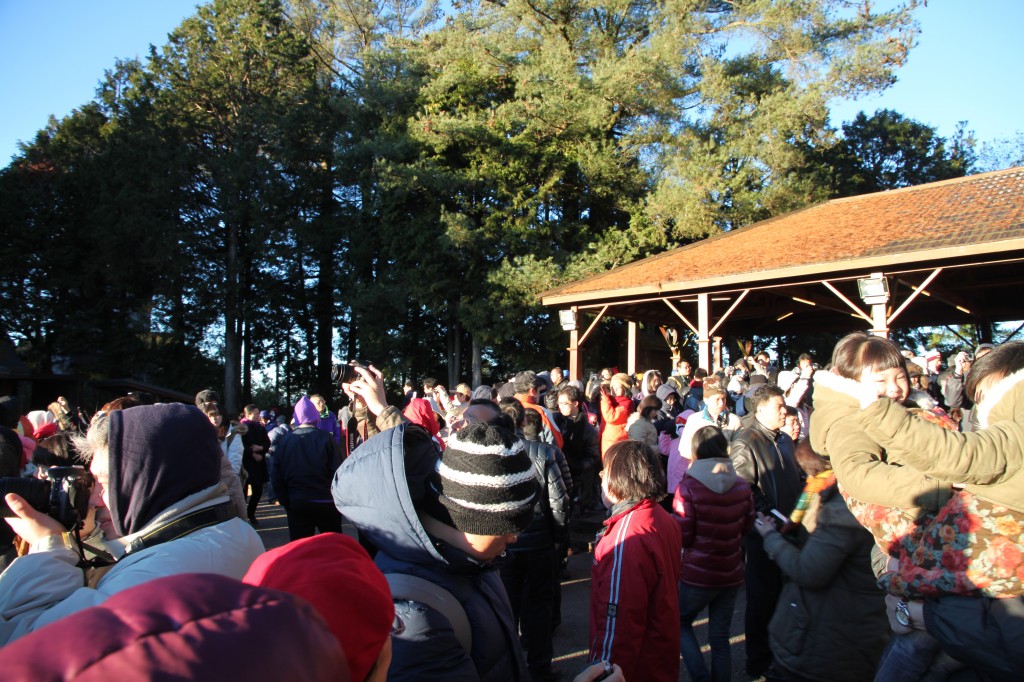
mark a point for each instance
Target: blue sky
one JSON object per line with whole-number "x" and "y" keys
{"x": 54, "y": 53}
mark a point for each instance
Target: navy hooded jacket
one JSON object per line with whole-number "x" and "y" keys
{"x": 379, "y": 488}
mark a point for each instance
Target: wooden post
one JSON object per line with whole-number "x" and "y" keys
{"x": 575, "y": 357}
{"x": 717, "y": 352}
{"x": 880, "y": 322}
{"x": 703, "y": 331}
{"x": 631, "y": 349}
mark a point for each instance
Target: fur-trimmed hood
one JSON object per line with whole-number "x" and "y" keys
{"x": 1004, "y": 401}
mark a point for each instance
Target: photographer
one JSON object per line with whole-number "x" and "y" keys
{"x": 157, "y": 469}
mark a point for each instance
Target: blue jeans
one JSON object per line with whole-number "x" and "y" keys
{"x": 720, "y": 603}
{"x": 915, "y": 657}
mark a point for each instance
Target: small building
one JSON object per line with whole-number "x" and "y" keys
{"x": 949, "y": 252}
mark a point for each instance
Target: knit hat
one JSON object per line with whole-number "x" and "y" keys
{"x": 335, "y": 574}
{"x": 932, "y": 354}
{"x": 712, "y": 387}
{"x": 486, "y": 482}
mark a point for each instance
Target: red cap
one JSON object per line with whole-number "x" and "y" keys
{"x": 45, "y": 431}
{"x": 335, "y": 574}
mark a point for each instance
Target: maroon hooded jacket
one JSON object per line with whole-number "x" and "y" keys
{"x": 715, "y": 510}
{"x": 199, "y": 627}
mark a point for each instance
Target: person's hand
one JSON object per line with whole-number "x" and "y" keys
{"x": 764, "y": 525}
{"x": 958, "y": 363}
{"x": 370, "y": 388}
{"x": 915, "y": 609}
{"x": 595, "y": 671}
{"x": 28, "y": 523}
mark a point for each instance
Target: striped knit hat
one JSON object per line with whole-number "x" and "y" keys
{"x": 486, "y": 481}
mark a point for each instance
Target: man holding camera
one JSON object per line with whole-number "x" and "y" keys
{"x": 157, "y": 471}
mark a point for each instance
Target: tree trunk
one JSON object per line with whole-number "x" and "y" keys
{"x": 323, "y": 306}
{"x": 232, "y": 343}
{"x": 478, "y": 374}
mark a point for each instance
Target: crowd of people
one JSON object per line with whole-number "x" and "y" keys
{"x": 870, "y": 510}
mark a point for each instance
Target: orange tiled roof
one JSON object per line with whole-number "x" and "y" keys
{"x": 896, "y": 226}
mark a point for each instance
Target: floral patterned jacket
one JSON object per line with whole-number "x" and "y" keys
{"x": 974, "y": 544}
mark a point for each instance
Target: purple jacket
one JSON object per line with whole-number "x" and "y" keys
{"x": 715, "y": 510}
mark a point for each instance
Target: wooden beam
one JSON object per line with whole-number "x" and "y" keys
{"x": 681, "y": 316}
{"x": 917, "y": 290}
{"x": 728, "y": 312}
{"x": 942, "y": 296}
{"x": 1015, "y": 332}
{"x": 839, "y": 294}
{"x": 575, "y": 357}
{"x": 586, "y": 334}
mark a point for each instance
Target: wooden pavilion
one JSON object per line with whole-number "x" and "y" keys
{"x": 949, "y": 252}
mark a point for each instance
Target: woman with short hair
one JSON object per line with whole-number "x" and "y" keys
{"x": 634, "y": 607}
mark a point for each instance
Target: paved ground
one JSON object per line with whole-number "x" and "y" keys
{"x": 570, "y": 642}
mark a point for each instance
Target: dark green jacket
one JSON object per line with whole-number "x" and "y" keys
{"x": 830, "y": 623}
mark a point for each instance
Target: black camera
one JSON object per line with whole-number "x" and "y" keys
{"x": 346, "y": 373}
{"x": 63, "y": 495}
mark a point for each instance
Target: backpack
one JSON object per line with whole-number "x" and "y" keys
{"x": 413, "y": 588}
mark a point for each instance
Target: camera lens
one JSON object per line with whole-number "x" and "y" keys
{"x": 35, "y": 491}
{"x": 344, "y": 374}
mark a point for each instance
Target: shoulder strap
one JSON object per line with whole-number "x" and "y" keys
{"x": 414, "y": 588}
{"x": 201, "y": 518}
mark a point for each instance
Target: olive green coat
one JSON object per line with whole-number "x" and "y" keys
{"x": 865, "y": 469}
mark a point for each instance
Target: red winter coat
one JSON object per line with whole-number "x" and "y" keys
{"x": 615, "y": 411}
{"x": 634, "y": 594}
{"x": 715, "y": 510}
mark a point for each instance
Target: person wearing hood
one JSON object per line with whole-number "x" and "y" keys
{"x": 715, "y": 510}
{"x": 304, "y": 464}
{"x": 157, "y": 470}
{"x": 616, "y": 407}
{"x": 671, "y": 405}
{"x": 714, "y": 413}
{"x": 967, "y": 551}
{"x": 443, "y": 519}
{"x": 830, "y": 609}
{"x": 196, "y": 627}
{"x": 648, "y": 384}
{"x": 419, "y": 412}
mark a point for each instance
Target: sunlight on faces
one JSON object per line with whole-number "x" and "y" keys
{"x": 715, "y": 405}
{"x": 888, "y": 383}
{"x": 481, "y": 547}
{"x": 568, "y": 408}
{"x": 772, "y": 413}
{"x": 792, "y": 427}
{"x": 100, "y": 498}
